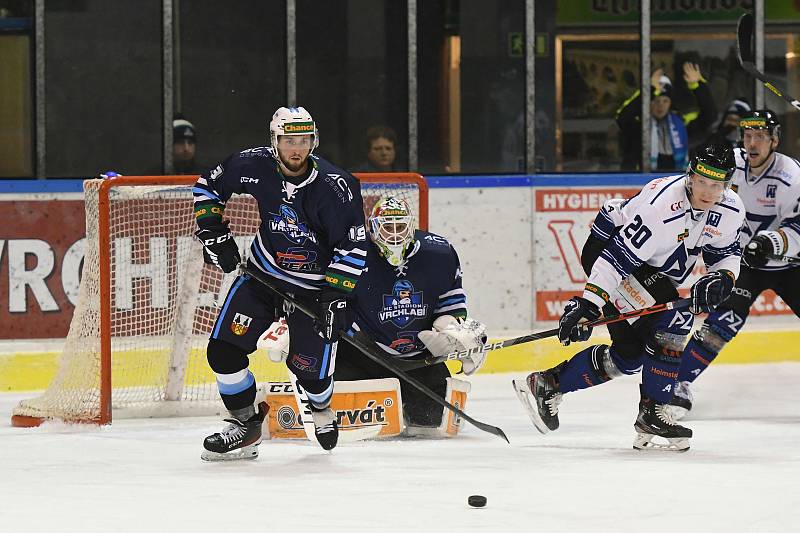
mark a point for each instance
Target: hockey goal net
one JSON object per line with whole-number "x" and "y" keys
{"x": 147, "y": 302}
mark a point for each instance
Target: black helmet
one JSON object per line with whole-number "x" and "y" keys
{"x": 715, "y": 162}
{"x": 761, "y": 119}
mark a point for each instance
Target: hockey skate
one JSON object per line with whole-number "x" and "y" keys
{"x": 326, "y": 430}
{"x": 239, "y": 440}
{"x": 654, "y": 420}
{"x": 540, "y": 396}
{"x": 681, "y": 402}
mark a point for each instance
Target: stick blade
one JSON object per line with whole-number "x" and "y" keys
{"x": 744, "y": 39}
{"x": 488, "y": 428}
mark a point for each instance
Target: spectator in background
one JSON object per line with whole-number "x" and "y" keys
{"x": 381, "y": 150}
{"x": 184, "y": 146}
{"x": 727, "y": 132}
{"x": 669, "y": 130}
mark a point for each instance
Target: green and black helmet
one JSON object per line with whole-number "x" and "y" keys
{"x": 715, "y": 162}
{"x": 761, "y": 119}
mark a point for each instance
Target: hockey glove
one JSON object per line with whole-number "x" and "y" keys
{"x": 568, "y": 328}
{"x": 756, "y": 251}
{"x": 219, "y": 247}
{"x": 710, "y": 291}
{"x": 451, "y": 335}
{"x": 333, "y": 314}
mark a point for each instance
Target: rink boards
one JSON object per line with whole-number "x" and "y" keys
{"x": 26, "y": 369}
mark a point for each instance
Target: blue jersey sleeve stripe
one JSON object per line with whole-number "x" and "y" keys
{"x": 451, "y": 301}
{"x": 205, "y": 192}
{"x": 351, "y": 260}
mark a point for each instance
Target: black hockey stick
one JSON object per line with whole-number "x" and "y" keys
{"x": 366, "y": 346}
{"x": 745, "y": 51}
{"x": 491, "y": 346}
{"x": 784, "y": 258}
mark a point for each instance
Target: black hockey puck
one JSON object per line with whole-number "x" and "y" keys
{"x": 476, "y": 501}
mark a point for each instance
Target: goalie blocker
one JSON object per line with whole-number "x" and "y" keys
{"x": 368, "y": 403}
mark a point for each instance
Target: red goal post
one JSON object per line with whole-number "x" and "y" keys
{"x": 136, "y": 344}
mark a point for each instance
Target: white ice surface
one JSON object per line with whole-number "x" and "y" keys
{"x": 145, "y": 476}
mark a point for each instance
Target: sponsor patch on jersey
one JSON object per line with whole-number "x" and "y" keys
{"x": 714, "y": 218}
{"x": 682, "y": 236}
{"x": 403, "y": 305}
{"x": 288, "y": 223}
{"x": 240, "y": 324}
{"x": 303, "y": 362}
{"x": 405, "y": 342}
{"x": 298, "y": 260}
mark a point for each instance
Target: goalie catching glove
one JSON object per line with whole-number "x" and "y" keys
{"x": 451, "y": 335}
{"x": 219, "y": 247}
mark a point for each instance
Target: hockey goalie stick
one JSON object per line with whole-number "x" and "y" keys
{"x": 366, "y": 346}
{"x": 491, "y": 346}
{"x": 744, "y": 50}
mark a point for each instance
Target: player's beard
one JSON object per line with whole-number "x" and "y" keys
{"x": 293, "y": 165}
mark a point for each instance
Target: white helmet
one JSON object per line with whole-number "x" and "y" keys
{"x": 391, "y": 227}
{"x": 292, "y": 121}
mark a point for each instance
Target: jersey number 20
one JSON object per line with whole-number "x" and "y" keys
{"x": 637, "y": 232}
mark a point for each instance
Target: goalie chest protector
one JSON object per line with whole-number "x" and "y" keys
{"x": 393, "y": 307}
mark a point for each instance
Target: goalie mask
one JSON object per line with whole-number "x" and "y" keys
{"x": 391, "y": 227}
{"x": 292, "y": 121}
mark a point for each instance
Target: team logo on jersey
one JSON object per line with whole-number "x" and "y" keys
{"x": 771, "y": 189}
{"x": 240, "y": 324}
{"x": 403, "y": 305}
{"x": 298, "y": 259}
{"x": 714, "y": 218}
{"x": 288, "y": 223}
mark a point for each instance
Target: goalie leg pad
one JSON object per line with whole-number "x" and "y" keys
{"x": 456, "y": 394}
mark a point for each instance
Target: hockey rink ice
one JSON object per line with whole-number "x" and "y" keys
{"x": 741, "y": 475}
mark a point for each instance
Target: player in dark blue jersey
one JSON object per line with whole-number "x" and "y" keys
{"x": 311, "y": 242}
{"x": 411, "y": 303}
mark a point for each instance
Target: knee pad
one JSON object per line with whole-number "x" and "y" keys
{"x": 225, "y": 358}
{"x": 621, "y": 365}
{"x": 711, "y": 339}
{"x": 666, "y": 347}
{"x": 608, "y": 364}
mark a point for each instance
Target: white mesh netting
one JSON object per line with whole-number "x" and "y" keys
{"x": 163, "y": 304}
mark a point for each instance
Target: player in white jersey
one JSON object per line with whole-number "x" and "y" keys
{"x": 769, "y": 185}
{"x": 667, "y": 225}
